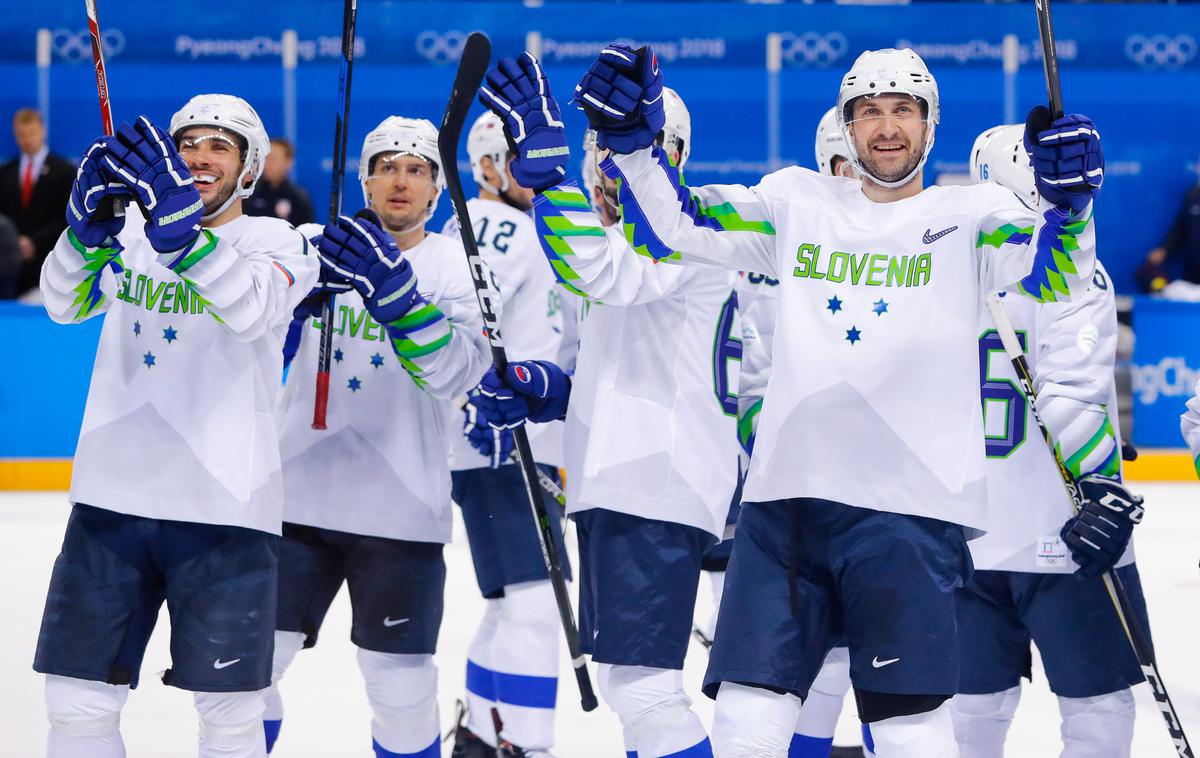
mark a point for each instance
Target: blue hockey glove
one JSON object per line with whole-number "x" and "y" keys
{"x": 518, "y": 92}
{"x": 144, "y": 157}
{"x": 329, "y": 282}
{"x": 1067, "y": 159}
{"x": 90, "y": 211}
{"x": 1099, "y": 534}
{"x": 533, "y": 390}
{"x": 622, "y": 96}
{"x": 496, "y": 444}
{"x": 360, "y": 252}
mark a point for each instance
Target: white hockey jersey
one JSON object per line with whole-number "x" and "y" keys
{"x": 1071, "y": 349}
{"x": 1189, "y": 424}
{"x": 531, "y": 322}
{"x": 179, "y": 422}
{"x": 652, "y": 420}
{"x": 873, "y": 398}
{"x": 380, "y": 467}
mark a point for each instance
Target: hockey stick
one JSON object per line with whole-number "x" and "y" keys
{"x": 472, "y": 66}
{"x": 1138, "y": 638}
{"x": 106, "y": 119}
{"x": 340, "y": 127}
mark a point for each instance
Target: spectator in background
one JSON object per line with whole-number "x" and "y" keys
{"x": 1180, "y": 247}
{"x": 10, "y": 258}
{"x": 34, "y": 188}
{"x": 276, "y": 194}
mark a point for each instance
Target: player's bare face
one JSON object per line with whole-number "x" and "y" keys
{"x": 215, "y": 159}
{"x": 401, "y": 187}
{"x": 889, "y": 135}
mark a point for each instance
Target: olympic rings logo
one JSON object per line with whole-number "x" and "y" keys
{"x": 438, "y": 47}
{"x": 75, "y": 46}
{"x": 1160, "y": 50}
{"x": 813, "y": 49}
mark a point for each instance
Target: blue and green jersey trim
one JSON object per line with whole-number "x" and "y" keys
{"x": 1110, "y": 466}
{"x": 1053, "y": 259}
{"x": 554, "y": 230}
{"x": 88, "y": 297}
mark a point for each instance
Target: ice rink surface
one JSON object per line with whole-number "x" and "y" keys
{"x": 327, "y": 712}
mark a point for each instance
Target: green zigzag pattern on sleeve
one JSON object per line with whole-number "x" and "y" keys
{"x": 88, "y": 296}
{"x": 1053, "y": 286}
{"x": 1008, "y": 233}
{"x": 730, "y": 220}
{"x": 408, "y": 350}
{"x": 554, "y": 229}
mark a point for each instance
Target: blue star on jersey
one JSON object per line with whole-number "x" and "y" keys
{"x": 170, "y": 335}
{"x": 377, "y": 360}
{"x": 354, "y": 384}
{"x": 880, "y": 307}
{"x": 853, "y": 335}
{"x": 137, "y": 328}
{"x": 337, "y": 355}
{"x": 834, "y": 305}
{"x": 148, "y": 359}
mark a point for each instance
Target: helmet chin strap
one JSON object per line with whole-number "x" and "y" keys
{"x": 225, "y": 205}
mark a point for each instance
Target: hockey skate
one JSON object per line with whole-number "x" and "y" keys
{"x": 466, "y": 743}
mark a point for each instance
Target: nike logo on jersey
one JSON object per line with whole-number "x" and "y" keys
{"x": 387, "y": 621}
{"x": 929, "y": 239}
{"x": 880, "y": 664}
{"x": 220, "y": 664}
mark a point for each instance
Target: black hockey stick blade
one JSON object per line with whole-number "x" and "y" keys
{"x": 472, "y": 66}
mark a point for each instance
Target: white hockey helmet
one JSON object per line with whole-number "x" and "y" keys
{"x": 235, "y": 115}
{"x": 677, "y": 131}
{"x": 406, "y": 136}
{"x": 486, "y": 139}
{"x": 889, "y": 71}
{"x": 831, "y": 143}
{"x": 999, "y": 156}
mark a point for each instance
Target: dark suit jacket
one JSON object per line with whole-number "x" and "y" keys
{"x": 46, "y": 216}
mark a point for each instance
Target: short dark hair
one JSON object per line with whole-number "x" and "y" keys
{"x": 284, "y": 144}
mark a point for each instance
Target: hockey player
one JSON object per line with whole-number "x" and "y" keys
{"x": 868, "y": 459}
{"x": 1026, "y": 585}
{"x": 367, "y": 502}
{"x": 1189, "y": 424}
{"x": 650, "y": 445}
{"x": 832, "y": 154}
{"x": 512, "y": 664}
{"x": 176, "y": 484}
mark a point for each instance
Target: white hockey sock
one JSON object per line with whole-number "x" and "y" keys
{"x": 525, "y": 658}
{"x": 819, "y": 713}
{"x": 287, "y": 644}
{"x": 231, "y": 724}
{"x": 654, "y": 710}
{"x": 402, "y": 690}
{"x": 481, "y": 680}
{"x": 1097, "y": 727}
{"x": 923, "y": 735}
{"x": 85, "y": 718}
{"x": 717, "y": 579}
{"x": 981, "y": 722}
{"x": 751, "y": 722}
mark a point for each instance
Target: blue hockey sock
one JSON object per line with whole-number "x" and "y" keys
{"x": 804, "y": 746}
{"x": 433, "y": 751}
{"x": 271, "y": 729}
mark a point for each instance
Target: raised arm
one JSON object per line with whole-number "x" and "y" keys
{"x": 1057, "y": 262}
{"x": 87, "y": 252}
